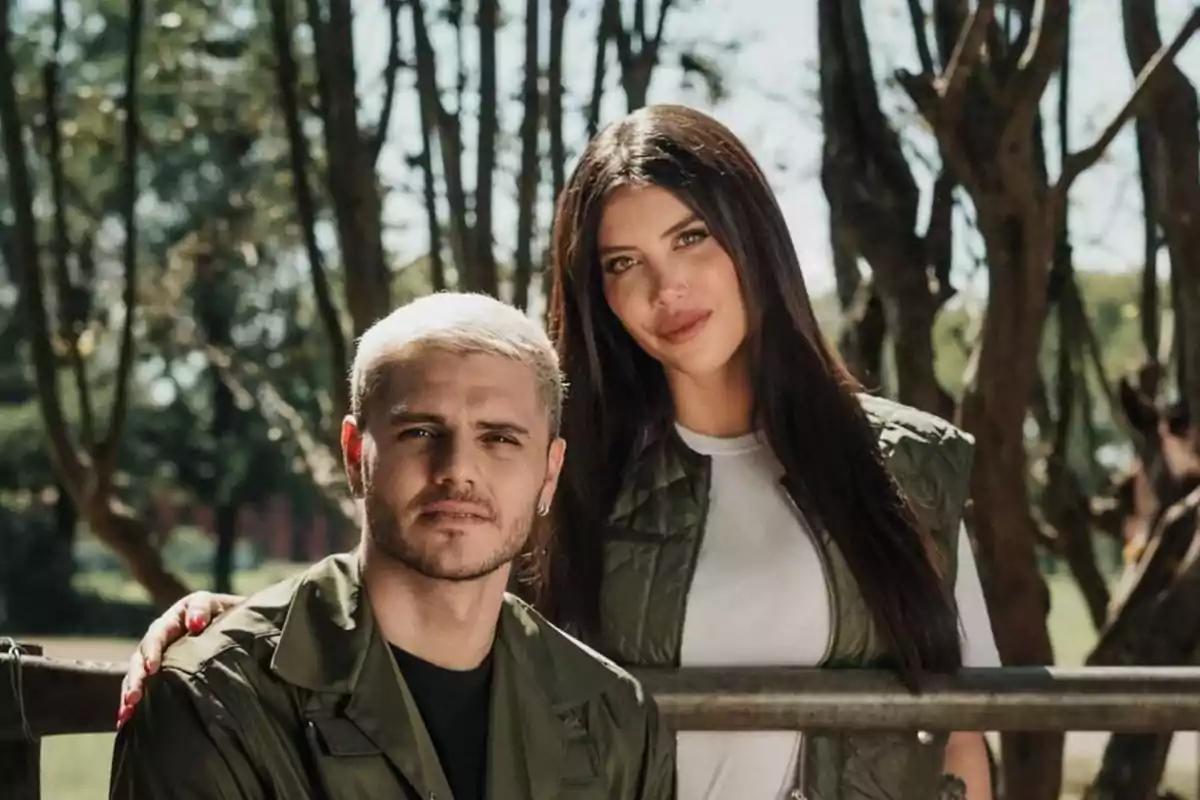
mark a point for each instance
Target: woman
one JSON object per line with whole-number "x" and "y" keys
{"x": 729, "y": 498}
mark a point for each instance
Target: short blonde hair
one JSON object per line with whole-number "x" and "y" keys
{"x": 463, "y": 324}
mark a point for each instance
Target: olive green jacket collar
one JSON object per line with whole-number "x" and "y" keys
{"x": 330, "y": 645}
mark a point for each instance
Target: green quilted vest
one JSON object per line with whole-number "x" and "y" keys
{"x": 653, "y": 541}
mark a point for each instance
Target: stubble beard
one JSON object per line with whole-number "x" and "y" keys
{"x": 387, "y": 534}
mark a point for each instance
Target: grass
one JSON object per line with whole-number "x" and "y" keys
{"x": 76, "y": 767}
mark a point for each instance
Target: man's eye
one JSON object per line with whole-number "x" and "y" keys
{"x": 414, "y": 433}
{"x": 500, "y": 438}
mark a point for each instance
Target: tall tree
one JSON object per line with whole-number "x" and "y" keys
{"x": 983, "y": 113}
{"x": 86, "y": 469}
{"x": 874, "y": 202}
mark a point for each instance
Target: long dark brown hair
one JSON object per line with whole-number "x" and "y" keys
{"x": 804, "y": 396}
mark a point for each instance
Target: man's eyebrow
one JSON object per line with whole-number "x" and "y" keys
{"x": 402, "y": 415}
{"x": 496, "y": 426}
{"x": 670, "y": 231}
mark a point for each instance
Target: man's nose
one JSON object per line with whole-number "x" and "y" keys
{"x": 454, "y": 461}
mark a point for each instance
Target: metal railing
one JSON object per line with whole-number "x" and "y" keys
{"x": 42, "y": 697}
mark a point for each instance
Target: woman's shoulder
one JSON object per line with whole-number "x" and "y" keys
{"x": 897, "y": 424}
{"x": 929, "y": 458}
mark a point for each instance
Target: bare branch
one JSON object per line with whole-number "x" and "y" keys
{"x": 86, "y": 414}
{"x": 918, "y": 22}
{"x": 69, "y": 311}
{"x": 653, "y": 45}
{"x": 323, "y": 465}
{"x": 449, "y": 141}
{"x": 554, "y": 111}
{"x": 481, "y": 269}
{"x": 389, "y": 80}
{"x": 1079, "y": 162}
{"x": 1042, "y": 57}
{"x": 966, "y": 54}
{"x": 285, "y": 75}
{"x": 527, "y": 183}
{"x": 27, "y": 256}
{"x": 609, "y": 27}
{"x": 107, "y": 455}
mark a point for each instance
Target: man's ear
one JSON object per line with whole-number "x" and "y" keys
{"x": 554, "y": 464}
{"x": 352, "y": 443}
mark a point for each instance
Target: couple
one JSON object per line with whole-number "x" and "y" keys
{"x": 729, "y": 499}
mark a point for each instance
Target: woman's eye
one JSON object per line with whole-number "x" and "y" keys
{"x": 618, "y": 265}
{"x": 693, "y": 236}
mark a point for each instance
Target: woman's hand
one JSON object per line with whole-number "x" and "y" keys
{"x": 967, "y": 758}
{"x": 191, "y": 614}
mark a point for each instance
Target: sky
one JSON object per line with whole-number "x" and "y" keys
{"x": 771, "y": 103}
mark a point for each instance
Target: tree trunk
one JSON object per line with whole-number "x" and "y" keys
{"x": 353, "y": 186}
{"x": 1155, "y": 622}
{"x": 530, "y": 163}
{"x": 449, "y": 143}
{"x": 874, "y": 200}
{"x": 1149, "y": 306}
{"x": 554, "y": 110}
{"x": 1173, "y": 114}
{"x": 306, "y": 207}
{"x": 437, "y": 266}
{"x": 983, "y": 113}
{"x": 87, "y": 477}
{"x": 606, "y": 29}
{"x": 225, "y": 530}
{"x": 483, "y": 266}
{"x": 993, "y": 410}
{"x": 638, "y": 49}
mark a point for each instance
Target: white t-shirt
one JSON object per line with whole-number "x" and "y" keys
{"x": 756, "y": 559}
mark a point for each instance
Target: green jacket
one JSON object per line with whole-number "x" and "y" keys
{"x": 654, "y": 537}
{"x": 295, "y": 694}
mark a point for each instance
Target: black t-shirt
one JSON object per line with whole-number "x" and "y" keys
{"x": 454, "y": 706}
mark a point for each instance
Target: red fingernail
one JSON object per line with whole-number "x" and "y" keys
{"x": 195, "y": 624}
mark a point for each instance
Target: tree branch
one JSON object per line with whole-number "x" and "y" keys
{"x": 68, "y": 309}
{"x": 27, "y": 255}
{"x": 389, "y": 79}
{"x": 966, "y": 54}
{"x": 1042, "y": 57}
{"x": 1079, "y": 162}
{"x": 652, "y": 47}
{"x": 107, "y": 457}
{"x": 323, "y": 466}
{"x": 608, "y": 27}
{"x": 625, "y": 53}
{"x": 449, "y": 143}
{"x": 285, "y": 74}
{"x": 918, "y": 22}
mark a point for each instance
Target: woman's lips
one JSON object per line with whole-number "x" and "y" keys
{"x": 681, "y": 327}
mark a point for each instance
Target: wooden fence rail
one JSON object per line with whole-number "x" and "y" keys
{"x": 42, "y": 697}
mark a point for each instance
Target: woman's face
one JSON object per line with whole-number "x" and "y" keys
{"x": 674, "y": 288}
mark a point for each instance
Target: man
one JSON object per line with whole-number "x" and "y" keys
{"x": 403, "y": 669}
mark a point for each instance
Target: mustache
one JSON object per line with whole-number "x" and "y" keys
{"x": 441, "y": 494}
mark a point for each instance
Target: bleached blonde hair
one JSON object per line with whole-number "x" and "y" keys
{"x": 462, "y": 324}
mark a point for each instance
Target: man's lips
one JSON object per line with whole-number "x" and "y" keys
{"x": 456, "y": 509}
{"x": 681, "y": 327}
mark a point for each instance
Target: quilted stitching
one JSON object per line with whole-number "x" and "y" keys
{"x": 655, "y": 533}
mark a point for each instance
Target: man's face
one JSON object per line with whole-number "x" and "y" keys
{"x": 453, "y": 463}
